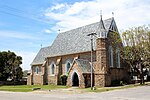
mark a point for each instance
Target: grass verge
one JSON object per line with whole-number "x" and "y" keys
{"x": 28, "y": 88}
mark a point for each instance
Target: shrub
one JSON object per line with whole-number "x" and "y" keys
{"x": 118, "y": 82}
{"x": 63, "y": 79}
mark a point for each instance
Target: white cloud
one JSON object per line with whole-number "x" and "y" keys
{"x": 57, "y": 6}
{"x": 128, "y": 13}
{"x": 27, "y": 58}
{"x": 18, "y": 35}
{"x": 47, "y": 31}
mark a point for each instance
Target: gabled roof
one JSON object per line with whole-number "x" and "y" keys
{"x": 71, "y": 42}
{"x": 40, "y": 57}
{"x": 84, "y": 65}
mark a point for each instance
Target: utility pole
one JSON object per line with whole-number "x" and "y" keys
{"x": 91, "y": 34}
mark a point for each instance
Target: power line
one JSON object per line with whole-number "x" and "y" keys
{"x": 19, "y": 13}
{"x": 11, "y": 14}
{"x": 13, "y": 9}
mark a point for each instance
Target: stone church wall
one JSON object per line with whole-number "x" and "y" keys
{"x": 36, "y": 79}
{"x": 54, "y": 79}
{"x": 51, "y": 79}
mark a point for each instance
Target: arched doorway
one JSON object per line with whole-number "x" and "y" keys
{"x": 75, "y": 80}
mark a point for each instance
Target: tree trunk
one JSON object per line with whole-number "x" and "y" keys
{"x": 142, "y": 75}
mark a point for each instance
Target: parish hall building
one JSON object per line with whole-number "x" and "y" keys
{"x": 70, "y": 54}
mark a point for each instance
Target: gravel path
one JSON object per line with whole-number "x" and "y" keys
{"x": 137, "y": 93}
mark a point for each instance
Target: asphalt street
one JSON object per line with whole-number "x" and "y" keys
{"x": 137, "y": 93}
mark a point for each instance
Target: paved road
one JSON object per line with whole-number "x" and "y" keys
{"x": 138, "y": 93}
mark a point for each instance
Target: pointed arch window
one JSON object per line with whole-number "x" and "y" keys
{"x": 52, "y": 69}
{"x": 110, "y": 56}
{"x": 118, "y": 58}
{"x": 37, "y": 70}
{"x": 68, "y": 65}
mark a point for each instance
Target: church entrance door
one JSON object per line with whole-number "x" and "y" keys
{"x": 75, "y": 80}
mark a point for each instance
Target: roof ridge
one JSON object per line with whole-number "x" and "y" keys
{"x": 85, "y": 25}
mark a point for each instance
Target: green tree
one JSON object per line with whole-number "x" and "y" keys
{"x": 136, "y": 51}
{"x": 4, "y": 66}
{"x": 10, "y": 65}
{"x": 18, "y": 73}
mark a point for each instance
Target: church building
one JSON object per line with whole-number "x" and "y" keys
{"x": 79, "y": 54}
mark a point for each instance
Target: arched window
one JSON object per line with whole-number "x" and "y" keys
{"x": 110, "y": 56}
{"x": 68, "y": 65}
{"x": 118, "y": 58}
{"x": 52, "y": 69}
{"x": 37, "y": 70}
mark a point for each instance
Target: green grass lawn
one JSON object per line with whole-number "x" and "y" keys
{"x": 28, "y": 88}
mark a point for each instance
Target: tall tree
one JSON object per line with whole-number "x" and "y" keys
{"x": 136, "y": 51}
{"x": 9, "y": 63}
{"x": 18, "y": 73}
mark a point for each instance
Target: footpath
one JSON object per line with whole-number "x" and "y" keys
{"x": 76, "y": 90}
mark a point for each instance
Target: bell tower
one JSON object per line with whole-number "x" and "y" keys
{"x": 101, "y": 75}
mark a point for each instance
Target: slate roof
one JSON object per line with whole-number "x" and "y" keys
{"x": 40, "y": 57}
{"x": 70, "y": 42}
{"x": 84, "y": 65}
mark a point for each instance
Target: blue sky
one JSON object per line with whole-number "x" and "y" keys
{"x": 25, "y": 25}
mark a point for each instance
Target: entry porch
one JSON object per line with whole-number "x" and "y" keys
{"x": 79, "y": 74}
